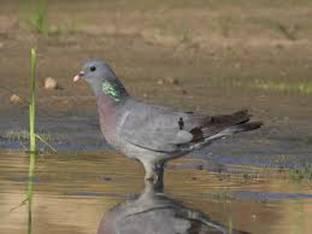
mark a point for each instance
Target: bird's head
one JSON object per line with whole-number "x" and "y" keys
{"x": 94, "y": 71}
{"x": 101, "y": 78}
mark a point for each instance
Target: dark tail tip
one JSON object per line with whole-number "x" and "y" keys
{"x": 249, "y": 126}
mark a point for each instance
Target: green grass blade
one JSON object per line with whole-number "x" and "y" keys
{"x": 32, "y": 137}
{"x": 32, "y": 105}
{"x": 30, "y": 185}
{"x": 46, "y": 143}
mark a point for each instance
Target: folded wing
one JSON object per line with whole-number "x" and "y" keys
{"x": 163, "y": 130}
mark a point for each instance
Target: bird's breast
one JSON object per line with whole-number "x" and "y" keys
{"x": 108, "y": 118}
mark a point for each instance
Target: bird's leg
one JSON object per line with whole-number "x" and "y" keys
{"x": 148, "y": 168}
{"x": 159, "y": 170}
{"x": 154, "y": 172}
{"x": 151, "y": 188}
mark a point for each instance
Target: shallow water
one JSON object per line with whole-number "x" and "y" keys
{"x": 74, "y": 192}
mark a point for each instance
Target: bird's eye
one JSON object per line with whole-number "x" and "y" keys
{"x": 92, "y": 68}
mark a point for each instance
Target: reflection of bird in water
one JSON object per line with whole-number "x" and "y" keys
{"x": 153, "y": 212}
{"x": 153, "y": 134}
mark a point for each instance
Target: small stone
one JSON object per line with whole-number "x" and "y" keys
{"x": 145, "y": 95}
{"x": 53, "y": 29}
{"x": 160, "y": 82}
{"x": 279, "y": 46}
{"x": 283, "y": 73}
{"x": 173, "y": 81}
{"x": 237, "y": 66}
{"x": 106, "y": 178}
{"x": 183, "y": 91}
{"x": 15, "y": 99}
{"x": 200, "y": 167}
{"x": 212, "y": 53}
{"x": 50, "y": 83}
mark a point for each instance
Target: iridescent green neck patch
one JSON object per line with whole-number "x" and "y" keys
{"x": 111, "y": 91}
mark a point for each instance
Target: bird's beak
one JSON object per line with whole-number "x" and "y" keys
{"x": 78, "y": 76}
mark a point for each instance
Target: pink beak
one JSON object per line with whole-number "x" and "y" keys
{"x": 78, "y": 77}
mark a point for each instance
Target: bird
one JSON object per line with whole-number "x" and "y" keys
{"x": 149, "y": 133}
{"x": 154, "y": 212}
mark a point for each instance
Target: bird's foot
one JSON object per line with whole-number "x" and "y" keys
{"x": 152, "y": 178}
{"x": 155, "y": 182}
{"x": 154, "y": 173}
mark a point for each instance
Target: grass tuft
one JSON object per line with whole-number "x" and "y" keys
{"x": 35, "y": 15}
{"x": 23, "y": 135}
{"x": 300, "y": 174}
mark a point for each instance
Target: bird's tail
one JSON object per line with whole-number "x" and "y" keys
{"x": 244, "y": 127}
{"x": 228, "y": 125}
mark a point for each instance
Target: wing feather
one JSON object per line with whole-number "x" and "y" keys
{"x": 161, "y": 129}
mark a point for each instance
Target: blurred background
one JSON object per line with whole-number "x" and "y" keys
{"x": 208, "y": 56}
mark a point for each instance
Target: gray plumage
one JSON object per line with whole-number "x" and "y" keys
{"x": 157, "y": 128}
{"x": 153, "y": 134}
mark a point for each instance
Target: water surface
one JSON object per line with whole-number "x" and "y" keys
{"x": 74, "y": 192}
